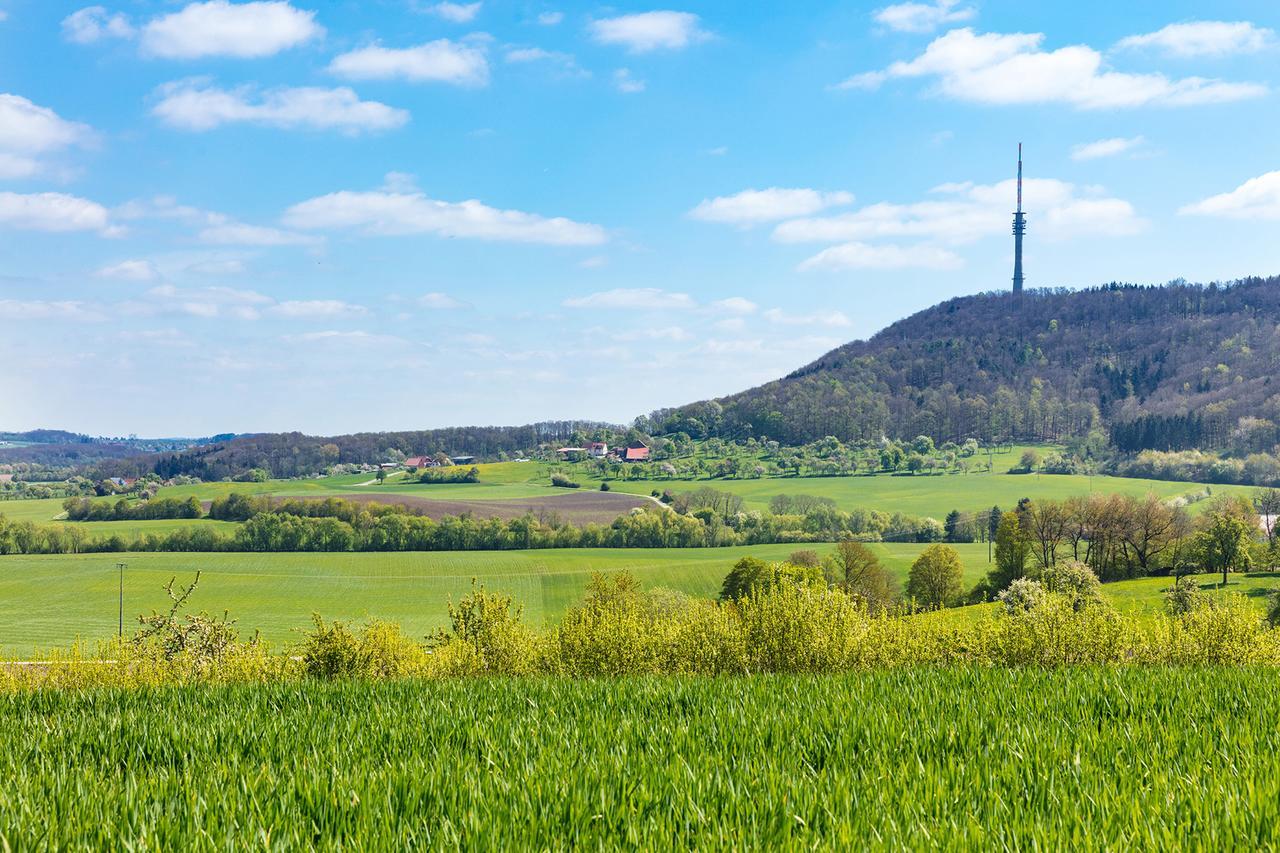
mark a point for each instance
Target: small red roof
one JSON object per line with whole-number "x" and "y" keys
{"x": 635, "y": 454}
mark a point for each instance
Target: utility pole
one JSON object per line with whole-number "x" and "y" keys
{"x": 120, "y": 628}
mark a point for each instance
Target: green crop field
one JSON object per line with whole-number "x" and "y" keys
{"x": 954, "y": 758}
{"x": 53, "y": 600}
{"x": 929, "y": 495}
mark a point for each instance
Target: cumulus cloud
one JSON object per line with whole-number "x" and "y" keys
{"x": 439, "y": 301}
{"x": 458, "y": 13}
{"x": 316, "y": 308}
{"x": 1204, "y": 38}
{"x": 94, "y": 23}
{"x": 197, "y": 106}
{"x": 55, "y": 212}
{"x": 40, "y": 309}
{"x": 829, "y": 319}
{"x": 649, "y": 31}
{"x": 863, "y": 256}
{"x": 734, "y": 305}
{"x": 1256, "y": 198}
{"x": 550, "y": 19}
{"x": 29, "y": 132}
{"x": 226, "y": 232}
{"x": 997, "y": 68}
{"x": 626, "y": 83}
{"x": 637, "y": 298}
{"x": 439, "y": 61}
{"x": 202, "y": 302}
{"x": 218, "y": 267}
{"x": 751, "y": 207}
{"x": 219, "y": 28}
{"x": 964, "y": 213}
{"x": 1105, "y": 148}
{"x": 401, "y": 213}
{"x": 923, "y": 17}
{"x": 130, "y": 270}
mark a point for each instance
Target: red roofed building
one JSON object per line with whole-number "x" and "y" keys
{"x": 419, "y": 462}
{"x": 636, "y": 451}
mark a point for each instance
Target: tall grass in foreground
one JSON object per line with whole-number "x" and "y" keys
{"x": 1151, "y": 758}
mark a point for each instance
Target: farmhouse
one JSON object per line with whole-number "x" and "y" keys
{"x": 419, "y": 462}
{"x": 635, "y": 451}
{"x": 597, "y": 450}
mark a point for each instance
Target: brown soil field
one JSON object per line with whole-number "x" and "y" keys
{"x": 573, "y": 507}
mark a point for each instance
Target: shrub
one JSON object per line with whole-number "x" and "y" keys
{"x": 1076, "y": 581}
{"x": 558, "y": 479}
{"x": 1022, "y": 595}
{"x": 1184, "y": 596}
{"x": 490, "y": 627}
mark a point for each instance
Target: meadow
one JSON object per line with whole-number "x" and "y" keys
{"x": 53, "y": 600}
{"x": 1088, "y": 758}
{"x": 932, "y": 495}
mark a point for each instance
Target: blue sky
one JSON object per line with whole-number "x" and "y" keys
{"x": 335, "y": 216}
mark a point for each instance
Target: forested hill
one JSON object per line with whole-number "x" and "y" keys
{"x": 293, "y": 454}
{"x": 1167, "y": 367}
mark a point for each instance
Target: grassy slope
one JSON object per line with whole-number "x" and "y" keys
{"x": 932, "y": 495}
{"x": 959, "y": 758}
{"x": 53, "y": 600}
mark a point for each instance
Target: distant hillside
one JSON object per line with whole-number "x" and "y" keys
{"x": 1167, "y": 367}
{"x": 292, "y": 454}
{"x": 56, "y": 449}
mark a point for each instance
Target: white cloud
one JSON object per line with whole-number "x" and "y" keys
{"x": 964, "y": 213}
{"x": 594, "y": 262}
{"x": 38, "y": 309}
{"x": 28, "y": 132}
{"x": 734, "y": 305}
{"x": 94, "y": 23}
{"x": 923, "y": 17}
{"x": 458, "y": 13}
{"x": 665, "y": 333}
{"x": 220, "y": 28}
{"x": 130, "y": 270}
{"x": 203, "y": 302}
{"x": 829, "y": 319}
{"x": 441, "y": 61}
{"x": 1105, "y": 148}
{"x": 439, "y": 301}
{"x": 550, "y": 19}
{"x": 317, "y": 308}
{"x": 1256, "y": 198}
{"x": 218, "y": 266}
{"x": 862, "y": 256}
{"x": 54, "y": 212}
{"x": 638, "y": 298}
{"x": 226, "y": 232}
{"x": 391, "y": 213}
{"x": 1204, "y": 38}
{"x": 996, "y": 68}
{"x": 626, "y": 83}
{"x": 336, "y": 336}
{"x": 751, "y": 207}
{"x": 194, "y": 105}
{"x": 649, "y": 31}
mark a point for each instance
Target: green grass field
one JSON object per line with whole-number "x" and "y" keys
{"x": 52, "y": 600}
{"x": 954, "y": 758}
{"x": 931, "y": 495}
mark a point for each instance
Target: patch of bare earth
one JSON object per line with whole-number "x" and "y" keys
{"x": 572, "y": 507}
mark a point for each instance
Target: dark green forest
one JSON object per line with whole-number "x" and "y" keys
{"x": 1171, "y": 367}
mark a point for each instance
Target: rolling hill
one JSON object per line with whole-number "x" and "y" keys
{"x": 1170, "y": 367}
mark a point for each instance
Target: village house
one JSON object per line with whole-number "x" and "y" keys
{"x": 635, "y": 451}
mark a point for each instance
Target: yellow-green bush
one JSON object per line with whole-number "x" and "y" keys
{"x": 618, "y": 629}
